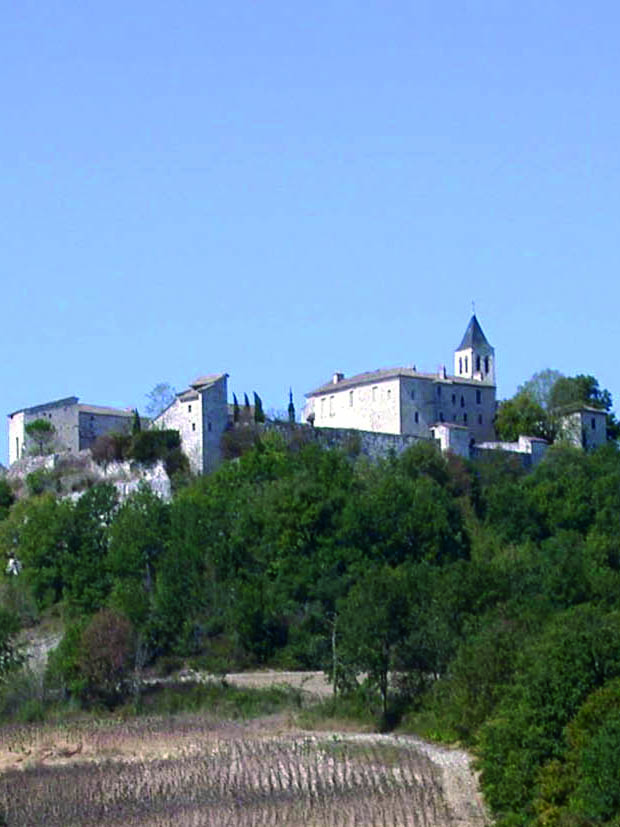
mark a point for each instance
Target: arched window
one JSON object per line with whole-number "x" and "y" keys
{"x": 477, "y": 364}
{"x": 466, "y": 364}
{"x": 416, "y": 417}
{"x": 486, "y": 364}
{"x": 460, "y": 365}
{"x": 462, "y": 401}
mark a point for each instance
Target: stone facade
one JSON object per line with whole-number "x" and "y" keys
{"x": 584, "y": 427}
{"x": 405, "y": 401}
{"x": 200, "y": 415}
{"x": 76, "y": 426}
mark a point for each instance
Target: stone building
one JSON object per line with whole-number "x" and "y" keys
{"x": 583, "y": 426}
{"x": 76, "y": 426}
{"x": 200, "y": 415}
{"x": 406, "y": 401}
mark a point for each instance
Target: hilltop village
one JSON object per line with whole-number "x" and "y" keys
{"x": 387, "y": 410}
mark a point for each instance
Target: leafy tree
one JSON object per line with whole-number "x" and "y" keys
{"x": 38, "y": 531}
{"x": 137, "y": 539}
{"x": 106, "y": 656}
{"x": 85, "y": 573}
{"x": 581, "y": 389}
{"x": 41, "y": 432}
{"x": 378, "y": 602}
{"x": 7, "y": 498}
{"x": 540, "y": 386}
{"x": 162, "y": 395}
{"x": 522, "y": 415}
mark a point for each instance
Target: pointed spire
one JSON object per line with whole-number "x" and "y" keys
{"x": 474, "y": 337}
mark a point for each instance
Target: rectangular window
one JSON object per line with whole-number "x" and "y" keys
{"x": 416, "y": 417}
{"x": 478, "y": 397}
{"x": 479, "y": 419}
{"x": 389, "y": 394}
{"x": 17, "y": 446}
{"x": 465, "y": 418}
{"x": 322, "y": 406}
{"x": 189, "y": 409}
{"x": 374, "y": 394}
{"x": 466, "y": 365}
{"x": 350, "y": 399}
{"x": 440, "y": 416}
{"x": 454, "y": 399}
{"x": 439, "y": 391}
{"x": 331, "y": 405}
{"x": 209, "y": 428}
{"x": 593, "y": 424}
{"x": 193, "y": 426}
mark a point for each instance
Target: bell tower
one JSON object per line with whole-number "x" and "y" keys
{"x": 474, "y": 358}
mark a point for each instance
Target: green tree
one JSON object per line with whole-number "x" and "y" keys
{"x": 582, "y": 390}
{"x": 373, "y": 624}
{"x": 259, "y": 414}
{"x": 7, "y": 498}
{"x": 522, "y": 415}
{"x": 136, "y": 425}
{"x": 540, "y": 386}
{"x": 41, "y": 432}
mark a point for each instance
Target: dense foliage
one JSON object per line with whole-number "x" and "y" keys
{"x": 480, "y": 602}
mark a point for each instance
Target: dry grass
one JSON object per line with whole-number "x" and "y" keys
{"x": 190, "y": 772}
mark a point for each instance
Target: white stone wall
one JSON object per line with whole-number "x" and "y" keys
{"x": 584, "y": 429}
{"x": 366, "y": 407}
{"x": 201, "y": 417}
{"x": 185, "y": 416}
{"x": 64, "y": 418}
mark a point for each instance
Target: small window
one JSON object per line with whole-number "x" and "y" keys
{"x": 416, "y": 417}
{"x": 193, "y": 426}
{"x": 374, "y": 394}
{"x": 389, "y": 393}
{"x": 460, "y": 365}
{"x": 478, "y": 397}
{"x": 593, "y": 424}
{"x": 477, "y": 364}
{"x": 331, "y": 405}
{"x": 209, "y": 427}
{"x": 413, "y": 393}
{"x": 323, "y": 406}
{"x": 462, "y": 401}
{"x": 189, "y": 409}
{"x": 440, "y": 416}
{"x": 465, "y": 418}
{"x": 439, "y": 391}
{"x": 350, "y": 399}
{"x": 454, "y": 399}
{"x": 479, "y": 419}
{"x": 466, "y": 364}
{"x": 486, "y": 364}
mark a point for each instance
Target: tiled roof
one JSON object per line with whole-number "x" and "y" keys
{"x": 392, "y": 373}
{"x": 58, "y": 403}
{"x": 205, "y": 381}
{"x": 100, "y": 409}
{"x": 474, "y": 337}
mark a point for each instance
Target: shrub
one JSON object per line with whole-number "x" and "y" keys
{"x": 106, "y": 656}
{"x": 111, "y": 447}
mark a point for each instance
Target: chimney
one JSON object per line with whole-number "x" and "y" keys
{"x": 337, "y": 377}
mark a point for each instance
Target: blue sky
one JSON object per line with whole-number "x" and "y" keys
{"x": 280, "y": 190}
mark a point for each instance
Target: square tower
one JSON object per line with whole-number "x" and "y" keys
{"x": 474, "y": 358}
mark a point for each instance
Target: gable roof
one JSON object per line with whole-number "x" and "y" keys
{"x": 394, "y": 373}
{"x": 474, "y": 337}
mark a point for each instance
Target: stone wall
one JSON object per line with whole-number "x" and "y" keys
{"x": 365, "y": 443}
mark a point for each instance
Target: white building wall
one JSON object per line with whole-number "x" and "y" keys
{"x": 185, "y": 416}
{"x": 366, "y": 407}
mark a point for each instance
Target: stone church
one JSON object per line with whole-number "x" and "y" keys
{"x": 456, "y": 408}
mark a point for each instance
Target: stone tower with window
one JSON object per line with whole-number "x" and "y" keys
{"x": 474, "y": 358}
